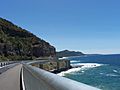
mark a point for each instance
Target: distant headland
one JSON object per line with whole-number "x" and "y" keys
{"x": 67, "y": 53}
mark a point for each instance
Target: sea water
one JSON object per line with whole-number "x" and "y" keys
{"x": 101, "y": 71}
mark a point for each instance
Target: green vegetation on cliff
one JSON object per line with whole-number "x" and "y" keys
{"x": 18, "y": 44}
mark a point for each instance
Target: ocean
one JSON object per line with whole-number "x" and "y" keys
{"x": 101, "y": 71}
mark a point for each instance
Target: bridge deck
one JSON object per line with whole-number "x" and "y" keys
{"x": 10, "y": 80}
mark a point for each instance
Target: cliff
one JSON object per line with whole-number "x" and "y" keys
{"x": 67, "y": 53}
{"x": 17, "y": 43}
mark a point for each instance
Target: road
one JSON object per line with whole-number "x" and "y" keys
{"x": 5, "y": 68}
{"x": 10, "y": 80}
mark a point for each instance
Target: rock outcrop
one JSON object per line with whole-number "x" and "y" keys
{"x": 18, "y": 43}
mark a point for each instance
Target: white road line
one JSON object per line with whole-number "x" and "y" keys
{"x": 23, "y": 84}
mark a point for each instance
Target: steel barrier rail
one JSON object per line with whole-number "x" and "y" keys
{"x": 37, "y": 79}
{"x": 4, "y": 63}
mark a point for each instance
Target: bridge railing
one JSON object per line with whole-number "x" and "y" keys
{"x": 37, "y": 79}
{"x": 7, "y": 63}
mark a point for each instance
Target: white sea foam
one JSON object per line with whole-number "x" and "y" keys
{"x": 81, "y": 67}
{"x": 87, "y": 65}
{"x": 63, "y": 58}
{"x": 115, "y": 71}
{"x": 112, "y": 75}
{"x": 74, "y": 61}
{"x": 101, "y": 73}
{"x": 69, "y": 71}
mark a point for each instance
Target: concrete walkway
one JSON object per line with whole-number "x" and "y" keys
{"x": 10, "y": 80}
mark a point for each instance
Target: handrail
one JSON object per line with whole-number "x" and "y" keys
{"x": 38, "y": 79}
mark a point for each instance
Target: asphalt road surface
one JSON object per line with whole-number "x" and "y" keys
{"x": 10, "y": 80}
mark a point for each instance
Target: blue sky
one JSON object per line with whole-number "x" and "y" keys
{"x": 91, "y": 26}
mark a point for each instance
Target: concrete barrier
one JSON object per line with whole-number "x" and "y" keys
{"x": 37, "y": 79}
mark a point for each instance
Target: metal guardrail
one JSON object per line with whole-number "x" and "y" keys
{"x": 6, "y": 66}
{"x": 37, "y": 79}
{"x": 7, "y": 63}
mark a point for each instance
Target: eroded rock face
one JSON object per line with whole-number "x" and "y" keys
{"x": 15, "y": 41}
{"x": 37, "y": 50}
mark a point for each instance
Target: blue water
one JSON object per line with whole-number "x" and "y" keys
{"x": 105, "y": 77}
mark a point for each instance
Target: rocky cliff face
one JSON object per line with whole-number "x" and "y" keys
{"x": 18, "y": 43}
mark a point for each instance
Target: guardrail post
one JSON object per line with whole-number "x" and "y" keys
{"x": 1, "y": 64}
{"x": 4, "y": 64}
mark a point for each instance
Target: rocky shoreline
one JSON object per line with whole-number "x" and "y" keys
{"x": 54, "y": 66}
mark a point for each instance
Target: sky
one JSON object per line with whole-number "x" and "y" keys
{"x": 90, "y": 26}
